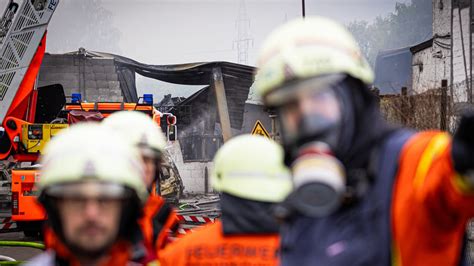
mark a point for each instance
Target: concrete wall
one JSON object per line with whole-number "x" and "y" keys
{"x": 433, "y": 64}
{"x": 193, "y": 174}
{"x": 252, "y": 113}
{"x": 429, "y": 67}
{"x": 461, "y": 58}
{"x": 441, "y": 17}
{"x": 95, "y": 78}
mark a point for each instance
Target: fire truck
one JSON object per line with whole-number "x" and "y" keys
{"x": 31, "y": 116}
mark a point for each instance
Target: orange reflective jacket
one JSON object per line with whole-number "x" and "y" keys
{"x": 158, "y": 223}
{"x": 208, "y": 246}
{"x": 431, "y": 204}
{"x": 118, "y": 255}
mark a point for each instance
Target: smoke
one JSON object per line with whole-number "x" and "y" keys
{"x": 182, "y": 31}
{"x": 84, "y": 23}
{"x": 160, "y": 88}
{"x": 3, "y": 6}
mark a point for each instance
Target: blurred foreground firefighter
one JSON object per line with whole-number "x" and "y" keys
{"x": 159, "y": 221}
{"x": 92, "y": 190}
{"x": 162, "y": 175}
{"x": 365, "y": 193}
{"x": 249, "y": 172}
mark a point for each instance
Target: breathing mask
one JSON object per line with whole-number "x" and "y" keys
{"x": 312, "y": 116}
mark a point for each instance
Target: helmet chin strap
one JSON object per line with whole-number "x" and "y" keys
{"x": 55, "y": 222}
{"x": 89, "y": 255}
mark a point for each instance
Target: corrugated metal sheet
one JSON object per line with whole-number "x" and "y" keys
{"x": 393, "y": 70}
{"x": 237, "y": 80}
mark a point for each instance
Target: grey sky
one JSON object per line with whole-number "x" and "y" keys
{"x": 182, "y": 31}
{"x": 185, "y": 31}
{"x": 169, "y": 32}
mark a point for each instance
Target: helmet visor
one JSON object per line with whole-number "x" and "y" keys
{"x": 310, "y": 109}
{"x": 88, "y": 189}
{"x": 149, "y": 152}
{"x": 292, "y": 90}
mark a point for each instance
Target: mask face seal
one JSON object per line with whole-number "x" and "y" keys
{"x": 312, "y": 124}
{"x": 319, "y": 181}
{"x": 311, "y": 115}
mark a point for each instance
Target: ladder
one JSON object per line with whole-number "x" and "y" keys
{"x": 22, "y": 27}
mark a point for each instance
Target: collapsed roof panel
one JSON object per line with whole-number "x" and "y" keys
{"x": 237, "y": 80}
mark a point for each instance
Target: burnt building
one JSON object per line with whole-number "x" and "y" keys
{"x": 204, "y": 120}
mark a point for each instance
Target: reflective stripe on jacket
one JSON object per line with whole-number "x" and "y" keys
{"x": 431, "y": 204}
{"x": 415, "y": 215}
{"x": 208, "y": 246}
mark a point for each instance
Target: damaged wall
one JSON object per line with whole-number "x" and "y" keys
{"x": 95, "y": 78}
{"x": 461, "y": 50}
{"x": 430, "y": 66}
{"x": 448, "y": 56}
{"x": 193, "y": 174}
{"x": 432, "y": 63}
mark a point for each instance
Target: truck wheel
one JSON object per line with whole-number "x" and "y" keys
{"x": 32, "y": 233}
{"x": 30, "y": 229}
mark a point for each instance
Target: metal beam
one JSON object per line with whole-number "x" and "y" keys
{"x": 222, "y": 107}
{"x": 303, "y": 8}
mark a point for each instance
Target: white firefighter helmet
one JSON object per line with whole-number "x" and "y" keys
{"x": 87, "y": 152}
{"x": 307, "y": 48}
{"x": 252, "y": 167}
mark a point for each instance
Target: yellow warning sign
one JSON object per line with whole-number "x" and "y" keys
{"x": 258, "y": 129}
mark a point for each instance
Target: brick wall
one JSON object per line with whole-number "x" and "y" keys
{"x": 95, "y": 78}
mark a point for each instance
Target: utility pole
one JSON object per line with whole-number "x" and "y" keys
{"x": 303, "y": 7}
{"x": 244, "y": 40}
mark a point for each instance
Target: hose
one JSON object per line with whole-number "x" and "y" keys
{"x": 22, "y": 244}
{"x": 11, "y": 263}
{"x": 6, "y": 258}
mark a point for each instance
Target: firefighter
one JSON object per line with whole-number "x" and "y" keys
{"x": 365, "y": 193}
{"x": 159, "y": 221}
{"x": 92, "y": 190}
{"x": 249, "y": 172}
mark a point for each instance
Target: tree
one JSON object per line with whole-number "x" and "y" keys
{"x": 409, "y": 24}
{"x": 82, "y": 23}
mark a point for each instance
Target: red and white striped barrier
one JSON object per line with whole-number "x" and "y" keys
{"x": 193, "y": 222}
{"x": 7, "y": 224}
{"x": 196, "y": 219}
{"x": 183, "y": 231}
